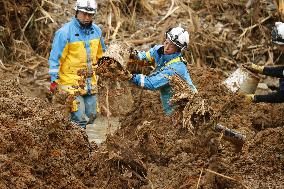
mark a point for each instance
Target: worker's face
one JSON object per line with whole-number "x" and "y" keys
{"x": 169, "y": 47}
{"x": 85, "y": 18}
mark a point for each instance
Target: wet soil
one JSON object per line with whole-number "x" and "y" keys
{"x": 175, "y": 157}
{"x": 102, "y": 127}
{"x": 40, "y": 148}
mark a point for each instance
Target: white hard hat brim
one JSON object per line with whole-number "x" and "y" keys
{"x": 278, "y": 43}
{"x": 86, "y": 11}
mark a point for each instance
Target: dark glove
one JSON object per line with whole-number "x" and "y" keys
{"x": 254, "y": 68}
{"x": 53, "y": 87}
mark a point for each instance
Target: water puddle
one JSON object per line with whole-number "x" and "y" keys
{"x": 101, "y": 127}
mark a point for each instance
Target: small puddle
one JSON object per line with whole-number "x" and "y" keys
{"x": 99, "y": 129}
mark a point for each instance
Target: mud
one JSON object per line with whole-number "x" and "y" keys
{"x": 40, "y": 148}
{"x": 175, "y": 157}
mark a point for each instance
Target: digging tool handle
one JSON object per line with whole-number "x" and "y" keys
{"x": 229, "y": 132}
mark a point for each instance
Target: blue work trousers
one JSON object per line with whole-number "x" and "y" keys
{"x": 87, "y": 110}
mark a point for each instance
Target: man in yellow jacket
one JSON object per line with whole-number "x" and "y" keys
{"x": 75, "y": 50}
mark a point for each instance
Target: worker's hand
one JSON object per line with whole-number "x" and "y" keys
{"x": 254, "y": 68}
{"x": 249, "y": 97}
{"x": 53, "y": 87}
{"x": 133, "y": 56}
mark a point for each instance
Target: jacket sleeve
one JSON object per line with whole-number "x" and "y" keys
{"x": 155, "y": 80}
{"x": 152, "y": 82}
{"x": 190, "y": 83}
{"x": 56, "y": 54}
{"x": 161, "y": 78}
{"x": 102, "y": 41}
{"x": 150, "y": 55}
{"x": 276, "y": 97}
{"x": 276, "y": 71}
{"x": 101, "y": 48}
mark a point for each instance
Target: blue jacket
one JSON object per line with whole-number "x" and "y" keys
{"x": 76, "y": 48}
{"x": 166, "y": 65}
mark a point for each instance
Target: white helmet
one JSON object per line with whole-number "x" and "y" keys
{"x": 178, "y": 36}
{"x": 277, "y": 33}
{"x": 88, "y": 6}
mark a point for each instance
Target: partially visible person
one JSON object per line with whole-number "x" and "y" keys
{"x": 277, "y": 36}
{"x": 168, "y": 61}
{"x": 76, "y": 48}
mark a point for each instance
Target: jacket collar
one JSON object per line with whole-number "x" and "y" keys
{"x": 168, "y": 57}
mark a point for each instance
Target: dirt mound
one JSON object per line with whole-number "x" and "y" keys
{"x": 176, "y": 158}
{"x": 262, "y": 155}
{"x": 40, "y": 148}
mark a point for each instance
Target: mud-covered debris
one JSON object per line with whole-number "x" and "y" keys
{"x": 191, "y": 104}
{"x": 111, "y": 69}
{"x": 40, "y": 147}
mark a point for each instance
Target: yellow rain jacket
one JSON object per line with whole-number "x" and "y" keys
{"x": 74, "y": 54}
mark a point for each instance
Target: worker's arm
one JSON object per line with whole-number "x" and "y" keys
{"x": 101, "y": 46}
{"x": 58, "y": 52}
{"x": 276, "y": 97}
{"x": 149, "y": 56}
{"x": 276, "y": 71}
{"x": 154, "y": 81}
{"x": 159, "y": 79}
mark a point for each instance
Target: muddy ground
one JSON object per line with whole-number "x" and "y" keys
{"x": 40, "y": 148}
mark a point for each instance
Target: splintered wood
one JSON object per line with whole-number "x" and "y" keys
{"x": 139, "y": 66}
{"x": 194, "y": 105}
{"x": 112, "y": 66}
{"x": 281, "y": 8}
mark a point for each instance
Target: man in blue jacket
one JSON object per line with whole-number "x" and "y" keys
{"x": 168, "y": 61}
{"x": 75, "y": 50}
